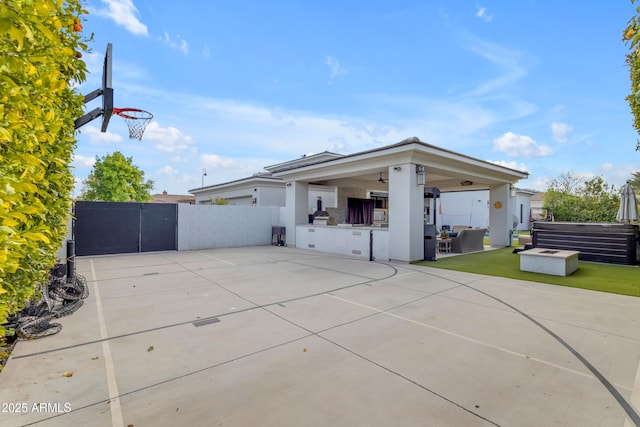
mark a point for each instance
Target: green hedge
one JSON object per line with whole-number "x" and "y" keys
{"x": 40, "y": 60}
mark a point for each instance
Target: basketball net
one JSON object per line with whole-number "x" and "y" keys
{"x": 136, "y": 120}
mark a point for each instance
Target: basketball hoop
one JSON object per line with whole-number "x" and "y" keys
{"x": 137, "y": 120}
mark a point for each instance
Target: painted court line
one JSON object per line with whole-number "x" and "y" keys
{"x": 112, "y": 384}
{"x": 472, "y": 340}
{"x": 216, "y": 258}
{"x": 634, "y": 399}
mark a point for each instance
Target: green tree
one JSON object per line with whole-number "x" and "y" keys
{"x": 631, "y": 36}
{"x": 40, "y": 67}
{"x": 635, "y": 184}
{"x": 571, "y": 198}
{"x": 635, "y": 181}
{"x": 115, "y": 178}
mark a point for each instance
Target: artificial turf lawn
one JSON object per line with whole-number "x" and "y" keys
{"x": 617, "y": 279}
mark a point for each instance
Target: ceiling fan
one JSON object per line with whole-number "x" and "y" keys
{"x": 382, "y": 180}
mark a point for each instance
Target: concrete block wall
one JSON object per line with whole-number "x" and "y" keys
{"x": 211, "y": 226}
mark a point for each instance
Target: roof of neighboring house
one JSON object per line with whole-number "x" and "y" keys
{"x": 304, "y": 161}
{"x": 260, "y": 178}
{"x": 172, "y": 198}
{"x": 527, "y": 192}
{"x": 539, "y": 196}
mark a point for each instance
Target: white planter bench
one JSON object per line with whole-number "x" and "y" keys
{"x": 524, "y": 240}
{"x": 549, "y": 261}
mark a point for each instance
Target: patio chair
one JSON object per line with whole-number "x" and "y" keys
{"x": 468, "y": 240}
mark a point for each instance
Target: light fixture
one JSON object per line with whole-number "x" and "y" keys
{"x": 397, "y": 168}
{"x": 420, "y": 175}
{"x": 381, "y": 180}
{"x": 288, "y": 184}
{"x": 204, "y": 173}
{"x": 513, "y": 190}
{"x": 466, "y": 183}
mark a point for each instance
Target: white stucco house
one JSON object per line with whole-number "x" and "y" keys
{"x": 263, "y": 189}
{"x": 472, "y": 208}
{"x": 538, "y": 211}
{"x": 256, "y": 190}
{"x": 379, "y": 199}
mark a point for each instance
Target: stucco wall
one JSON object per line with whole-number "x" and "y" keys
{"x": 522, "y": 210}
{"x": 209, "y": 226}
{"x": 468, "y": 208}
{"x": 270, "y": 196}
{"x": 328, "y": 195}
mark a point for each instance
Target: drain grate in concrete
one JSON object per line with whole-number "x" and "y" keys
{"x": 204, "y": 322}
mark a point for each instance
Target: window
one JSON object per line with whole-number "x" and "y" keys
{"x": 379, "y": 202}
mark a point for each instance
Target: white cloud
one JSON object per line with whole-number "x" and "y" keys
{"x": 177, "y": 43}
{"x": 481, "y": 12}
{"x": 179, "y": 159}
{"x": 512, "y": 165}
{"x": 618, "y": 174}
{"x": 335, "y": 67}
{"x": 257, "y": 127}
{"x": 540, "y": 183}
{"x": 184, "y": 47}
{"x": 123, "y": 12}
{"x": 206, "y": 52}
{"x": 77, "y": 186}
{"x": 80, "y": 161}
{"x": 174, "y": 175}
{"x": 560, "y": 131}
{"x": 515, "y": 145}
{"x": 224, "y": 169}
{"x": 510, "y": 62}
{"x": 101, "y": 138}
{"x": 168, "y": 139}
{"x": 218, "y": 162}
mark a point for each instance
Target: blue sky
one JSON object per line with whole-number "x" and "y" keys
{"x": 236, "y": 86}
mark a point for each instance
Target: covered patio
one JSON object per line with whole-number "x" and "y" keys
{"x": 409, "y": 173}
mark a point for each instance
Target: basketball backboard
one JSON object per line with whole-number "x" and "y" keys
{"x": 135, "y": 118}
{"x": 106, "y": 91}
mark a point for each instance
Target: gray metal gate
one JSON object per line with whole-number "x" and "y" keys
{"x": 112, "y": 227}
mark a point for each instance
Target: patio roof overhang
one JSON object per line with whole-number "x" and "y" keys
{"x": 445, "y": 169}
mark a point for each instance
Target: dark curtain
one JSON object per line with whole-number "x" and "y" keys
{"x": 359, "y": 211}
{"x": 354, "y": 211}
{"x": 367, "y": 211}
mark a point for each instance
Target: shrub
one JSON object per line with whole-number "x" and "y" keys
{"x": 38, "y": 105}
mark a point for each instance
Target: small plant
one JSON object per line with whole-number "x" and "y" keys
{"x": 220, "y": 201}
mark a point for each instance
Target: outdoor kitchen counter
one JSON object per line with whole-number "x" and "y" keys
{"x": 354, "y": 240}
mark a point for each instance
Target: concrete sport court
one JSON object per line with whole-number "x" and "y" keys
{"x": 280, "y": 336}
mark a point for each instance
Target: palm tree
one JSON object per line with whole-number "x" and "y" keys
{"x": 635, "y": 181}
